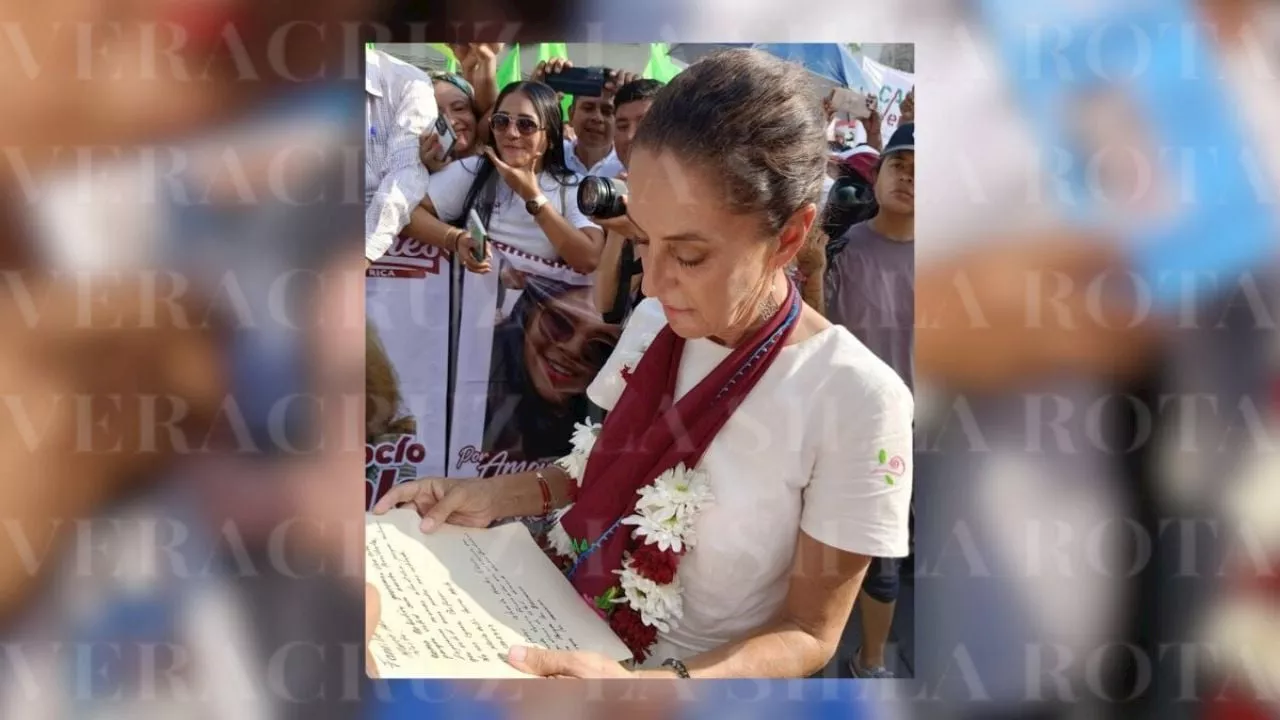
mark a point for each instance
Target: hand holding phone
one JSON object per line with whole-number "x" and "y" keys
{"x": 447, "y": 139}
{"x": 584, "y": 82}
{"x": 479, "y": 237}
{"x": 546, "y": 68}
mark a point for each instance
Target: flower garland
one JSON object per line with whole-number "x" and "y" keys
{"x": 648, "y": 596}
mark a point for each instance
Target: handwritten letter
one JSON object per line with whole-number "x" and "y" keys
{"x": 455, "y": 601}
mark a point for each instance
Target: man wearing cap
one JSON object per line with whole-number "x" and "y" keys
{"x": 870, "y": 289}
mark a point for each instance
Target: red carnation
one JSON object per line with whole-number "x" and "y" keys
{"x": 655, "y": 564}
{"x": 632, "y": 631}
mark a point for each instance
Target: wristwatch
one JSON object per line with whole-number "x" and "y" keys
{"x": 677, "y": 666}
{"x": 535, "y": 205}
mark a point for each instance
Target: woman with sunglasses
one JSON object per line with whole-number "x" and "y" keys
{"x": 545, "y": 354}
{"x": 755, "y": 457}
{"x": 520, "y": 187}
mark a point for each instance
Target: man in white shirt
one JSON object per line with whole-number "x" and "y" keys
{"x": 400, "y": 107}
{"x": 592, "y": 152}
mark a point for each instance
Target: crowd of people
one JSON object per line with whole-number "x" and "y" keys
{"x": 761, "y": 272}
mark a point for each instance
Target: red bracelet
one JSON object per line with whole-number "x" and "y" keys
{"x": 546, "y": 493}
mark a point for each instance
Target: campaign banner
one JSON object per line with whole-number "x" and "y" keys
{"x": 890, "y": 87}
{"x": 529, "y": 344}
{"x": 407, "y": 304}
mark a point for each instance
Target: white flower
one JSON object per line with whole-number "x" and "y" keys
{"x": 584, "y": 437}
{"x": 558, "y": 539}
{"x": 668, "y": 533}
{"x": 575, "y": 465}
{"x": 687, "y": 489}
{"x": 659, "y": 605}
{"x": 666, "y": 510}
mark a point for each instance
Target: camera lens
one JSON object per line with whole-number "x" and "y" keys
{"x": 601, "y": 197}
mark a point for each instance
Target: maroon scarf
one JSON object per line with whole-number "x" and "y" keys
{"x": 647, "y": 433}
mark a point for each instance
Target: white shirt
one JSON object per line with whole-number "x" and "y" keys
{"x": 510, "y": 224}
{"x": 609, "y": 167}
{"x": 400, "y": 106}
{"x": 802, "y": 452}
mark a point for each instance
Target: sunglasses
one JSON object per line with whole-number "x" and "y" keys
{"x": 561, "y": 329}
{"x": 525, "y": 126}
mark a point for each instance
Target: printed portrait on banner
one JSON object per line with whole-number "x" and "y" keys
{"x": 407, "y": 294}
{"x": 530, "y": 345}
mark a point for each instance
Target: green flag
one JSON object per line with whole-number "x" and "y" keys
{"x": 509, "y": 70}
{"x": 660, "y": 67}
{"x": 450, "y": 60}
{"x": 547, "y": 51}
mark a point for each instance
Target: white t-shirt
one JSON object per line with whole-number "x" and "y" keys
{"x": 610, "y": 166}
{"x": 510, "y": 224}
{"x": 803, "y": 452}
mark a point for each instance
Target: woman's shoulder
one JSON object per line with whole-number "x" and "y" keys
{"x": 459, "y": 170}
{"x": 646, "y": 319}
{"x": 837, "y": 364}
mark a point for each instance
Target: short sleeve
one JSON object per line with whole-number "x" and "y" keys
{"x": 570, "y": 210}
{"x": 642, "y": 327}
{"x": 448, "y": 188}
{"x": 859, "y": 496}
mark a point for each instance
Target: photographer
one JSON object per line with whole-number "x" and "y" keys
{"x": 619, "y": 274}
{"x": 591, "y": 150}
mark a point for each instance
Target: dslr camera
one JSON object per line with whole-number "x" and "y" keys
{"x": 602, "y": 197}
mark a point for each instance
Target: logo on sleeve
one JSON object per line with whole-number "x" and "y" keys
{"x": 891, "y": 467}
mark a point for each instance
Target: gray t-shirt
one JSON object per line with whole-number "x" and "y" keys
{"x": 870, "y": 289}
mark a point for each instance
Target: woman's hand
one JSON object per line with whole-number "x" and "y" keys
{"x": 464, "y": 250}
{"x": 521, "y": 180}
{"x": 462, "y": 52}
{"x": 474, "y": 502}
{"x": 431, "y": 153}
{"x": 474, "y": 57}
{"x": 565, "y": 663}
{"x": 485, "y": 54}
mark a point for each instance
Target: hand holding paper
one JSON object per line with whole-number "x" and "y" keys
{"x": 453, "y": 603}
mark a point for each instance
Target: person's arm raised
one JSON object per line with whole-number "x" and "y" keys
{"x": 483, "y": 75}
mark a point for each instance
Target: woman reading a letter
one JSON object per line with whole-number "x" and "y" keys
{"x": 752, "y": 461}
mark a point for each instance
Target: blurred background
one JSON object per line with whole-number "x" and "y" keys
{"x": 182, "y": 316}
